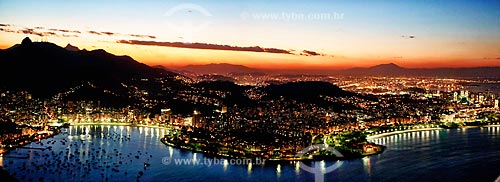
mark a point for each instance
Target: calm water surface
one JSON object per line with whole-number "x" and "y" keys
{"x": 118, "y": 153}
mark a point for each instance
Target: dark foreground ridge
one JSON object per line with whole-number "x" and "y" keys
{"x": 44, "y": 68}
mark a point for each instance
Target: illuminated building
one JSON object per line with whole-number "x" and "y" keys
{"x": 224, "y": 109}
{"x": 196, "y": 118}
{"x": 165, "y": 114}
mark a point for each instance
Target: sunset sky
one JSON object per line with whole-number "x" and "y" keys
{"x": 289, "y": 34}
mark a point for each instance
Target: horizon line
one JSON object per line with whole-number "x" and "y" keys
{"x": 319, "y": 69}
{"x": 269, "y": 67}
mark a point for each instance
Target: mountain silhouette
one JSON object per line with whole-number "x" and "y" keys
{"x": 219, "y": 68}
{"x": 309, "y": 92}
{"x": 390, "y": 66}
{"x": 70, "y": 47}
{"x": 382, "y": 69}
{"x": 389, "y": 69}
{"x": 392, "y": 69}
{"x": 304, "y": 90}
{"x": 44, "y": 68}
{"x": 161, "y": 67}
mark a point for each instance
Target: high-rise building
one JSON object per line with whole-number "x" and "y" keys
{"x": 224, "y": 109}
{"x": 472, "y": 98}
{"x": 165, "y": 114}
{"x": 196, "y": 118}
{"x": 496, "y": 104}
{"x": 455, "y": 96}
{"x": 188, "y": 121}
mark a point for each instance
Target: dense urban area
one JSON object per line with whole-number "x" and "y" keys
{"x": 262, "y": 118}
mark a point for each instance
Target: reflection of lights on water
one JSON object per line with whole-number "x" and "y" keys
{"x": 108, "y": 129}
{"x": 249, "y": 168}
{"x": 87, "y": 129}
{"x": 121, "y": 132}
{"x": 278, "y": 170}
{"x": 297, "y": 167}
{"x": 194, "y": 156}
{"x": 322, "y": 167}
{"x": 171, "y": 151}
{"x": 69, "y": 151}
{"x": 225, "y": 165}
{"x": 367, "y": 164}
{"x": 426, "y": 135}
{"x": 1, "y": 160}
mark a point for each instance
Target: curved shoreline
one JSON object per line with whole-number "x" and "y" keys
{"x": 278, "y": 160}
{"x": 319, "y": 158}
{"x": 115, "y": 124}
{"x": 399, "y": 132}
{"x": 210, "y": 154}
{"x": 370, "y": 137}
{"x": 493, "y": 125}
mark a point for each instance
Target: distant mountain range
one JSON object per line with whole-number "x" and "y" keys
{"x": 45, "y": 68}
{"x": 69, "y": 47}
{"x": 219, "y": 68}
{"x": 378, "y": 70}
{"x": 395, "y": 70}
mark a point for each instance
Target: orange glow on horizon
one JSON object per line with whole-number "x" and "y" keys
{"x": 410, "y": 34}
{"x": 176, "y": 57}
